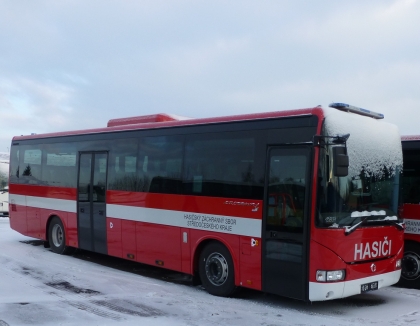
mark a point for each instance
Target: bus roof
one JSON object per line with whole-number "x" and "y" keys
{"x": 410, "y": 137}
{"x": 166, "y": 121}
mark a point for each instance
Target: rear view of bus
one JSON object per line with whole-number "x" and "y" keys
{"x": 300, "y": 203}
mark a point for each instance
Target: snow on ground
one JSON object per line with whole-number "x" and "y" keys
{"x": 38, "y": 287}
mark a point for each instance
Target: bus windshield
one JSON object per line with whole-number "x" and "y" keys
{"x": 369, "y": 194}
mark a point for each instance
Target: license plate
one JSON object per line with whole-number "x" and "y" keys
{"x": 369, "y": 287}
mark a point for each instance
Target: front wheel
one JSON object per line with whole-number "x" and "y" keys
{"x": 410, "y": 271}
{"x": 216, "y": 270}
{"x": 57, "y": 236}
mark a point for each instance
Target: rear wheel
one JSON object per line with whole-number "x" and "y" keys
{"x": 216, "y": 270}
{"x": 57, "y": 236}
{"x": 410, "y": 271}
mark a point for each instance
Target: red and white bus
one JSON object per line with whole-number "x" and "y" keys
{"x": 299, "y": 203}
{"x": 410, "y": 211}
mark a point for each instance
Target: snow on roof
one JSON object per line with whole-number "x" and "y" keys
{"x": 372, "y": 145}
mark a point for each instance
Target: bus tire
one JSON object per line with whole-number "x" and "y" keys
{"x": 216, "y": 270}
{"x": 57, "y": 236}
{"x": 410, "y": 265}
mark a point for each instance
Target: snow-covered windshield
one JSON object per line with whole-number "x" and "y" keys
{"x": 370, "y": 191}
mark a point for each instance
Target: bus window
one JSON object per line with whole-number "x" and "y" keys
{"x": 220, "y": 166}
{"x": 59, "y": 165}
{"x": 123, "y": 171}
{"x": 30, "y": 165}
{"x": 14, "y": 165}
{"x": 286, "y": 190}
{"x": 161, "y": 165}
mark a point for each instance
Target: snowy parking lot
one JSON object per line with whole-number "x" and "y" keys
{"x": 38, "y": 287}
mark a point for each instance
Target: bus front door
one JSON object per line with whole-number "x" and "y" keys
{"x": 285, "y": 217}
{"x": 91, "y": 205}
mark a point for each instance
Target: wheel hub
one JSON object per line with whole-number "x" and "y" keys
{"x": 410, "y": 266}
{"x": 57, "y": 235}
{"x": 216, "y": 269}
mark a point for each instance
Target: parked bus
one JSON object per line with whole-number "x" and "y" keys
{"x": 299, "y": 203}
{"x": 410, "y": 211}
{"x": 4, "y": 190}
{"x": 4, "y": 201}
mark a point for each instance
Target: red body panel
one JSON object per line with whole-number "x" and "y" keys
{"x": 250, "y": 262}
{"x": 41, "y": 191}
{"x": 186, "y": 252}
{"x": 114, "y": 236}
{"x": 159, "y": 244}
{"x": 354, "y": 247}
{"x": 353, "y": 254}
{"x": 150, "y": 243}
{"x": 33, "y": 221}
{"x": 173, "y": 252}
{"x": 411, "y": 211}
{"x": 17, "y": 218}
{"x": 37, "y": 225}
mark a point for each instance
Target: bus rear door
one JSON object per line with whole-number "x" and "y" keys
{"x": 91, "y": 205}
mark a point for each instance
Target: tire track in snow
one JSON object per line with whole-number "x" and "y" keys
{"x": 412, "y": 318}
{"x": 80, "y": 297}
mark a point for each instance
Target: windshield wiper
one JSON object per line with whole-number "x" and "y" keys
{"x": 350, "y": 229}
{"x": 399, "y": 226}
{"x": 391, "y": 219}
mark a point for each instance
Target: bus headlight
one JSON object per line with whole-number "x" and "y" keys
{"x": 330, "y": 276}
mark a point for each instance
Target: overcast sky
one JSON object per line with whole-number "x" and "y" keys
{"x": 75, "y": 64}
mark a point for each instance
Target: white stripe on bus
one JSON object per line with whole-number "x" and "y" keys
{"x": 199, "y": 221}
{"x": 55, "y": 204}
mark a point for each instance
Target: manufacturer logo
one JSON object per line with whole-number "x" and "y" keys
{"x": 255, "y": 206}
{"x": 373, "y": 268}
{"x": 371, "y": 250}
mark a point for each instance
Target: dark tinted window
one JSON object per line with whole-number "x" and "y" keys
{"x": 99, "y": 177}
{"x": 286, "y": 189}
{"x": 160, "y": 164}
{"x": 92, "y": 187}
{"x": 411, "y": 177}
{"x": 85, "y": 176}
{"x": 220, "y": 165}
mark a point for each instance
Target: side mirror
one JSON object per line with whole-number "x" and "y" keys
{"x": 340, "y": 161}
